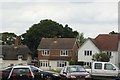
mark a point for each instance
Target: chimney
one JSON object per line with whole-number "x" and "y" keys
{"x": 16, "y": 42}
{"x": 55, "y": 40}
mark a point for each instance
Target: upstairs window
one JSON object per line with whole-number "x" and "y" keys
{"x": 109, "y": 53}
{"x": 64, "y": 53}
{"x": 45, "y": 52}
{"x": 88, "y": 53}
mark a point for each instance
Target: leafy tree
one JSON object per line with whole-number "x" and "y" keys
{"x": 48, "y": 29}
{"x": 101, "y": 57}
{"x": 9, "y": 38}
{"x": 80, "y": 39}
{"x": 113, "y": 32}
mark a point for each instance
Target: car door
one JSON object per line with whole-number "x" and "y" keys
{"x": 37, "y": 73}
{"x": 97, "y": 69}
{"x": 110, "y": 70}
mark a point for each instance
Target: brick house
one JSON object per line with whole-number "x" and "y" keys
{"x": 54, "y": 53}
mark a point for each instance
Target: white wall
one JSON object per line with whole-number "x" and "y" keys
{"x": 119, "y": 53}
{"x": 114, "y": 58}
{"x": 88, "y": 45}
{"x": 6, "y": 63}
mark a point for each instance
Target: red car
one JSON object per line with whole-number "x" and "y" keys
{"x": 74, "y": 72}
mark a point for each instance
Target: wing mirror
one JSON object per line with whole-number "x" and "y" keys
{"x": 64, "y": 73}
{"x": 114, "y": 68}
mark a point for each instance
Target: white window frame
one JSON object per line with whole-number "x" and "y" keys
{"x": 61, "y": 63}
{"x": 88, "y": 53}
{"x": 63, "y": 52}
{"x": 44, "y": 63}
{"x": 109, "y": 53}
{"x": 45, "y": 52}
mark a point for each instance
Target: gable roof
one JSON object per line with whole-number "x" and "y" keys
{"x": 107, "y": 42}
{"x": 57, "y": 43}
{"x": 9, "y": 52}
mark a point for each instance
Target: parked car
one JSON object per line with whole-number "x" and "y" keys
{"x": 74, "y": 72}
{"x": 104, "y": 70}
{"x": 87, "y": 68}
{"x": 4, "y": 73}
{"x": 27, "y": 72}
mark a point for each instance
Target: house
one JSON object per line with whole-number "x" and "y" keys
{"x": 106, "y": 43}
{"x": 54, "y": 53}
{"x": 14, "y": 54}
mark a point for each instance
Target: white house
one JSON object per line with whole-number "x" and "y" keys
{"x": 107, "y": 43}
{"x": 14, "y": 54}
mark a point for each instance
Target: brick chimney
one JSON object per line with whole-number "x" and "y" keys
{"x": 16, "y": 42}
{"x": 55, "y": 39}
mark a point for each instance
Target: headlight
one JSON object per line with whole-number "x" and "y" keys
{"x": 72, "y": 76}
{"x": 88, "y": 76}
{"x": 55, "y": 74}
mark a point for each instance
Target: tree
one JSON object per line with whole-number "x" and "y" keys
{"x": 9, "y": 38}
{"x": 113, "y": 32}
{"x": 48, "y": 29}
{"x": 80, "y": 38}
{"x": 101, "y": 57}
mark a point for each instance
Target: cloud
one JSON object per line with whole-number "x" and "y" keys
{"x": 19, "y": 16}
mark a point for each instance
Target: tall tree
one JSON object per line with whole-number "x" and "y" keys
{"x": 48, "y": 29}
{"x": 80, "y": 38}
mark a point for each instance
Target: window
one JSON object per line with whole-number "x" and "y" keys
{"x": 108, "y": 67}
{"x": 20, "y": 57}
{"x": 98, "y": 65}
{"x": 45, "y": 52}
{"x": 21, "y": 71}
{"x": 109, "y": 53}
{"x": 61, "y": 63}
{"x": 44, "y": 63}
{"x": 64, "y": 53}
{"x": 87, "y": 53}
{"x": 87, "y": 64}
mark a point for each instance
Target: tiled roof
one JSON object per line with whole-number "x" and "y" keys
{"x": 107, "y": 42}
{"x": 11, "y": 53}
{"x": 57, "y": 43}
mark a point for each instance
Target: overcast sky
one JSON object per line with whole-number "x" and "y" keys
{"x": 92, "y": 17}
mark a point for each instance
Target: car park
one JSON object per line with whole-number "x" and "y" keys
{"x": 74, "y": 72}
{"x": 27, "y": 72}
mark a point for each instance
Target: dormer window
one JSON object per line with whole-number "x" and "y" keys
{"x": 20, "y": 57}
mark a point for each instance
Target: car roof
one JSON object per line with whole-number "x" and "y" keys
{"x": 21, "y": 66}
{"x": 73, "y": 66}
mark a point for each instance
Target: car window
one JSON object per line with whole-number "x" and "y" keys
{"x": 21, "y": 71}
{"x": 34, "y": 70}
{"x": 108, "y": 67}
{"x": 98, "y": 66}
{"x": 75, "y": 69}
{"x": 8, "y": 69}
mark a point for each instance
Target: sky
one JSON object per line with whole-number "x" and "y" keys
{"x": 91, "y": 17}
